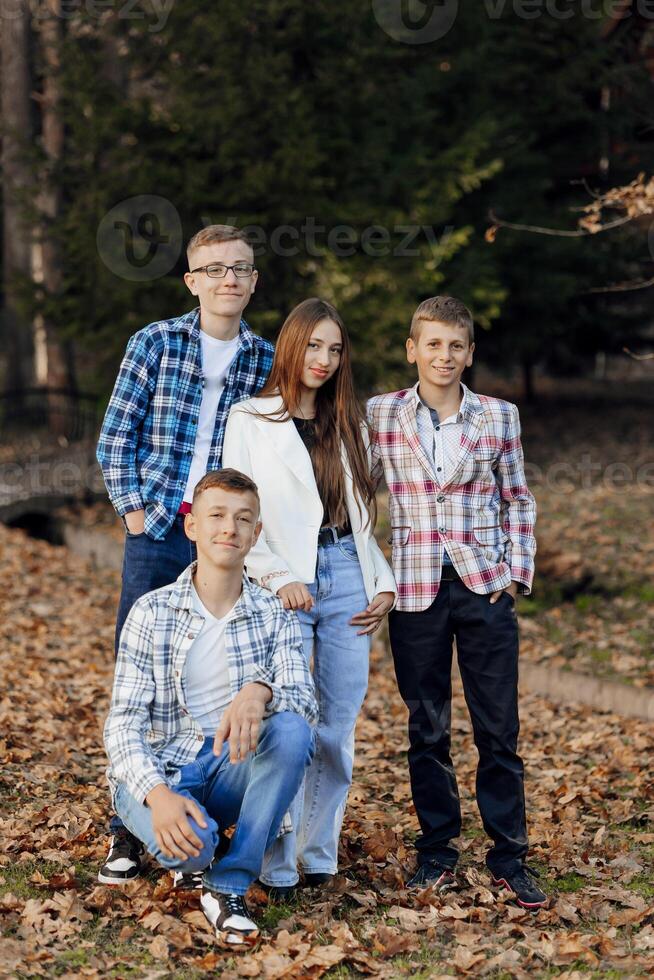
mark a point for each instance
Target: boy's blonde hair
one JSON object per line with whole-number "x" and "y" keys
{"x": 216, "y": 233}
{"x": 446, "y": 309}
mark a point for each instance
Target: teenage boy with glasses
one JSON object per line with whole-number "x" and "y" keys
{"x": 164, "y": 427}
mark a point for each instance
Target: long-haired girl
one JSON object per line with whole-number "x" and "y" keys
{"x": 303, "y": 441}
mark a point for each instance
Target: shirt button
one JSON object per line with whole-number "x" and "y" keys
{"x": 438, "y": 428}
{"x": 439, "y": 469}
{"x": 191, "y": 636}
{"x": 200, "y": 738}
{"x": 440, "y": 498}
{"x": 194, "y": 421}
{"x": 442, "y": 530}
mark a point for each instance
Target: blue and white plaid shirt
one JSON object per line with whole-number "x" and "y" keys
{"x": 149, "y": 734}
{"x": 148, "y": 434}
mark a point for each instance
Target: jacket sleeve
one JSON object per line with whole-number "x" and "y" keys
{"x": 130, "y": 757}
{"x": 384, "y": 578}
{"x": 262, "y": 564}
{"x": 517, "y": 506}
{"x": 287, "y": 673}
{"x": 376, "y": 463}
{"x": 128, "y": 406}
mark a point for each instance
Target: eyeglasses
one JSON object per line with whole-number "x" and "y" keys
{"x": 218, "y": 271}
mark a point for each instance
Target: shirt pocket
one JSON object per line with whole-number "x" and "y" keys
{"x": 399, "y": 536}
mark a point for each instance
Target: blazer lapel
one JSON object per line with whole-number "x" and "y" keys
{"x": 473, "y": 417}
{"x": 407, "y": 419}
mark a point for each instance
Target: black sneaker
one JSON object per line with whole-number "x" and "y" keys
{"x": 187, "y": 880}
{"x": 124, "y": 860}
{"x": 431, "y": 874}
{"x": 229, "y": 916}
{"x": 315, "y": 879}
{"x": 526, "y": 891}
{"x": 277, "y": 893}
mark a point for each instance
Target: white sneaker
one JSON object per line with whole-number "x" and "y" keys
{"x": 229, "y": 916}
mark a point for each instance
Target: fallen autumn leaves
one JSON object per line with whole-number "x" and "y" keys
{"x": 590, "y": 794}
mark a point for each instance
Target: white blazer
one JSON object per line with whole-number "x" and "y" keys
{"x": 274, "y": 456}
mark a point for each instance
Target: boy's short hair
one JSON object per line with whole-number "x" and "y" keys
{"x": 447, "y": 309}
{"x": 216, "y": 233}
{"x": 226, "y": 479}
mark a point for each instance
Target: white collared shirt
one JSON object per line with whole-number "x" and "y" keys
{"x": 441, "y": 440}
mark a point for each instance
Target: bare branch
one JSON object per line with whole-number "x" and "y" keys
{"x": 558, "y": 232}
{"x": 638, "y": 357}
{"x": 622, "y": 287}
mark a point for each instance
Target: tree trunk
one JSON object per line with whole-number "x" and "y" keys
{"x": 47, "y": 252}
{"x": 528, "y": 380}
{"x": 15, "y": 106}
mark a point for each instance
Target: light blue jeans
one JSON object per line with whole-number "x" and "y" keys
{"x": 340, "y": 672}
{"x": 253, "y": 794}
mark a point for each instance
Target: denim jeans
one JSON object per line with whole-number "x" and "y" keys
{"x": 253, "y": 794}
{"x": 340, "y": 672}
{"x": 149, "y": 564}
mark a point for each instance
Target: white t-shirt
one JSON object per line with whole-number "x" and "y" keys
{"x": 206, "y": 671}
{"x": 217, "y": 356}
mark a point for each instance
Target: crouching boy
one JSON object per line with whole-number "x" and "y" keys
{"x": 211, "y": 713}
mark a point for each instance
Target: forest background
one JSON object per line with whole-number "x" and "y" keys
{"x": 380, "y": 151}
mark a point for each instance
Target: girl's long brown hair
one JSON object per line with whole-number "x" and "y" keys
{"x": 338, "y": 415}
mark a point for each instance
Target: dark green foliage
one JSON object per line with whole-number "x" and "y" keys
{"x": 279, "y": 113}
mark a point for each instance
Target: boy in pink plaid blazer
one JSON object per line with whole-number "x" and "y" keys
{"x": 462, "y": 526}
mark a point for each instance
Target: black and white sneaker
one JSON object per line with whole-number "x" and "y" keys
{"x": 124, "y": 860}
{"x": 229, "y": 916}
{"x": 431, "y": 874}
{"x": 522, "y": 884}
{"x": 187, "y": 880}
{"x": 190, "y": 880}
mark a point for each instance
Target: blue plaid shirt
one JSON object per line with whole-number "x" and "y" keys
{"x": 149, "y": 734}
{"x": 148, "y": 434}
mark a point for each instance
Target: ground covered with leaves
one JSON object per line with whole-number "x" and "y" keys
{"x": 590, "y": 795}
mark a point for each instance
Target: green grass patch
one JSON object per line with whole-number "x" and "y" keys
{"x": 570, "y": 882}
{"x": 643, "y": 885}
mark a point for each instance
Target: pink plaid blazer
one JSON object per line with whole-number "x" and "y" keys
{"x": 484, "y": 514}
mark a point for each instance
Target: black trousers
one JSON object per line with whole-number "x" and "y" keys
{"x": 487, "y": 650}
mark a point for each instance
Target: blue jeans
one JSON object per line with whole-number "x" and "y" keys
{"x": 254, "y": 795}
{"x": 340, "y": 672}
{"x": 149, "y": 564}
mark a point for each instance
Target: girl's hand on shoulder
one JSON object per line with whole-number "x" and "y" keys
{"x": 371, "y": 617}
{"x": 296, "y": 596}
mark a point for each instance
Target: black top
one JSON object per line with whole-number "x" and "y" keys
{"x": 307, "y": 431}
